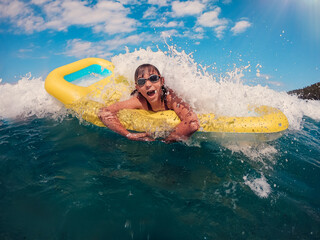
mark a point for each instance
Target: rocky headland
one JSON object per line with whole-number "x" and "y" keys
{"x": 311, "y": 92}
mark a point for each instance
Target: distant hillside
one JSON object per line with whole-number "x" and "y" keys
{"x": 312, "y": 92}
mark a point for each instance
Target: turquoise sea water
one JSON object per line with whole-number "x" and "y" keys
{"x": 62, "y": 178}
{"x": 65, "y": 180}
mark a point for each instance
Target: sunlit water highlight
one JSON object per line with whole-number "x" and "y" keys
{"x": 61, "y": 178}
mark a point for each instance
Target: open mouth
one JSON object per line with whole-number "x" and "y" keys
{"x": 151, "y": 93}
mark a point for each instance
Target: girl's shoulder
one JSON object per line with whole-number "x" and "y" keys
{"x": 131, "y": 103}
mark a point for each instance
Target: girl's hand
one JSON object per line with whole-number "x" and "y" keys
{"x": 139, "y": 137}
{"x": 174, "y": 138}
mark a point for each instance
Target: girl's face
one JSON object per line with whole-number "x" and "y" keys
{"x": 150, "y": 90}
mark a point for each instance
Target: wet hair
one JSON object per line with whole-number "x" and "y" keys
{"x": 140, "y": 71}
{"x": 142, "y": 68}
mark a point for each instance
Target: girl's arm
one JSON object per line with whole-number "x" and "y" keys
{"x": 189, "y": 121}
{"x": 108, "y": 116}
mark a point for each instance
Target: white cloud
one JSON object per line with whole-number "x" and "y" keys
{"x": 166, "y": 25}
{"x": 211, "y": 19}
{"x": 39, "y": 2}
{"x": 275, "y": 83}
{"x": 161, "y": 3}
{"x": 127, "y": 2}
{"x": 169, "y": 33}
{"x": 109, "y": 17}
{"x": 133, "y": 39}
{"x": 227, "y": 1}
{"x": 191, "y": 34}
{"x": 104, "y": 16}
{"x": 150, "y": 13}
{"x": 31, "y": 23}
{"x": 240, "y": 27}
{"x": 113, "y": 17}
{"x": 209, "y": 1}
{"x": 21, "y": 15}
{"x": 11, "y": 9}
{"x": 80, "y": 48}
{"x": 220, "y": 31}
{"x": 199, "y": 29}
{"x": 181, "y": 9}
{"x": 195, "y": 34}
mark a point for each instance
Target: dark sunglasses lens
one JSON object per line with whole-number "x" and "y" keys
{"x": 141, "y": 81}
{"x": 154, "y": 78}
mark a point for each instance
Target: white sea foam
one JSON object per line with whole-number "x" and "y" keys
{"x": 26, "y": 98}
{"x": 226, "y": 95}
{"x": 206, "y": 92}
{"x": 259, "y": 186}
{"x": 261, "y": 152}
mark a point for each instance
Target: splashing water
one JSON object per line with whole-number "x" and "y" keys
{"x": 26, "y": 98}
{"x": 204, "y": 91}
{"x": 258, "y": 186}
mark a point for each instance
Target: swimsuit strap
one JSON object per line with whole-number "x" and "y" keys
{"x": 166, "y": 103}
{"x": 149, "y": 106}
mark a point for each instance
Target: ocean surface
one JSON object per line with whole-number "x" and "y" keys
{"x": 63, "y": 178}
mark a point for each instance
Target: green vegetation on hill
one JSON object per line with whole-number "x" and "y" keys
{"x": 311, "y": 92}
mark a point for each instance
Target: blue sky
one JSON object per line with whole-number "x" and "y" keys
{"x": 279, "y": 38}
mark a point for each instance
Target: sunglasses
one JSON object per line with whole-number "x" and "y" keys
{"x": 152, "y": 78}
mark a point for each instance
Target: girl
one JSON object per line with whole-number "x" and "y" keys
{"x": 152, "y": 95}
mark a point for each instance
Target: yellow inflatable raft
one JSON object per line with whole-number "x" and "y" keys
{"x": 64, "y": 84}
